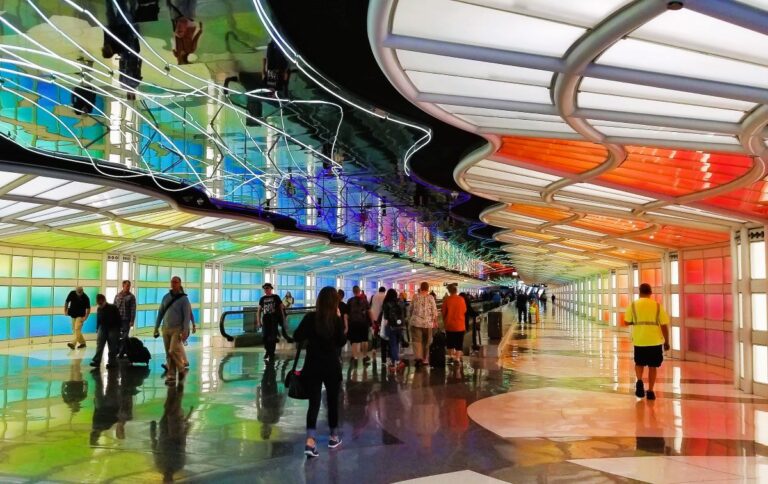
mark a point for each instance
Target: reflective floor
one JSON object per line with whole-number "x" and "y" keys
{"x": 552, "y": 403}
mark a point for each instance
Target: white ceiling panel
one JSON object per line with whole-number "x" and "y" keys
{"x": 479, "y": 88}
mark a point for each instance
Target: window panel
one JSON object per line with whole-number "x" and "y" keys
{"x": 18, "y": 327}
{"x": 713, "y": 271}
{"x": 757, "y": 259}
{"x": 112, "y": 270}
{"x": 19, "y": 297}
{"x": 21, "y": 266}
{"x": 89, "y": 269}
{"x": 760, "y": 367}
{"x": 39, "y": 326}
{"x": 61, "y": 325}
{"x": 41, "y": 297}
{"x": 693, "y": 271}
{"x": 42, "y": 267}
{"x": 759, "y": 312}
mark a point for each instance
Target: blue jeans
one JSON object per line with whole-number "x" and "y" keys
{"x": 394, "y": 335}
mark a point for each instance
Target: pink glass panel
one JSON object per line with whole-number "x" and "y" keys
{"x": 727, "y": 275}
{"x": 713, "y": 271}
{"x": 697, "y": 340}
{"x": 715, "y": 343}
{"x": 694, "y": 305}
{"x": 714, "y": 307}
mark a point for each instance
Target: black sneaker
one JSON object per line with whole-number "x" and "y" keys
{"x": 639, "y": 389}
{"x": 334, "y": 442}
{"x": 71, "y": 346}
{"x": 366, "y": 361}
{"x": 81, "y": 346}
{"x": 95, "y": 364}
{"x": 311, "y": 451}
{"x": 650, "y": 395}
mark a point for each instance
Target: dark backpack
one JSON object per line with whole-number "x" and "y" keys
{"x": 358, "y": 309}
{"x": 394, "y": 314}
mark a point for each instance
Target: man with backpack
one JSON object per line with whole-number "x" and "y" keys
{"x": 175, "y": 314}
{"x": 359, "y": 316}
{"x": 126, "y": 304}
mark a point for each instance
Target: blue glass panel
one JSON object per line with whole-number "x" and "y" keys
{"x": 61, "y": 325}
{"x": 3, "y": 330}
{"x": 236, "y": 277}
{"x": 164, "y": 273}
{"x": 194, "y": 295}
{"x": 18, "y": 327}
{"x": 39, "y": 326}
{"x": 90, "y": 324}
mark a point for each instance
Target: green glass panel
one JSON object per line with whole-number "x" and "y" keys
{"x": 42, "y": 297}
{"x": 5, "y": 265}
{"x": 21, "y": 266}
{"x": 66, "y": 269}
{"x": 163, "y": 273}
{"x": 4, "y": 291}
{"x": 193, "y": 274}
{"x": 92, "y": 292}
{"x": 19, "y": 297}
{"x": 42, "y": 267}
{"x": 90, "y": 269}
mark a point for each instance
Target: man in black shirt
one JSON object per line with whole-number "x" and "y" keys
{"x": 107, "y": 331}
{"x": 271, "y": 314}
{"x": 78, "y": 307}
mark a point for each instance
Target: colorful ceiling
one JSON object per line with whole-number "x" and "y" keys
{"x": 306, "y": 151}
{"x": 84, "y": 214}
{"x": 617, "y": 129}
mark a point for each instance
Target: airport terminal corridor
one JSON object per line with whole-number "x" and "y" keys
{"x": 554, "y": 403}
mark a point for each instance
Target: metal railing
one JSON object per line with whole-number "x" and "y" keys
{"x": 293, "y": 318}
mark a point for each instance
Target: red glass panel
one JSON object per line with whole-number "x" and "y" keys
{"x": 713, "y": 271}
{"x": 715, "y": 344}
{"x": 694, "y": 305}
{"x": 560, "y": 155}
{"x": 727, "y": 307}
{"x": 693, "y": 271}
{"x": 697, "y": 340}
{"x": 714, "y": 307}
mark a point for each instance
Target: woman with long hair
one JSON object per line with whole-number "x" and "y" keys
{"x": 395, "y": 316}
{"x": 322, "y": 333}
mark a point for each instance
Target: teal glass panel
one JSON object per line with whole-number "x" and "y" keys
{"x": 164, "y": 273}
{"x": 42, "y": 267}
{"x": 4, "y": 300}
{"x": 89, "y": 269}
{"x": 3, "y": 328}
{"x": 42, "y": 297}
{"x": 39, "y": 326}
{"x": 178, "y": 271}
{"x": 19, "y": 297}
{"x": 18, "y": 327}
{"x": 152, "y": 273}
{"x": 5, "y": 265}
{"x": 61, "y": 325}
{"x": 60, "y": 295}
{"x": 90, "y": 324}
{"x": 92, "y": 292}
{"x": 193, "y": 274}
{"x": 20, "y": 266}
{"x": 65, "y": 269}
{"x": 143, "y": 272}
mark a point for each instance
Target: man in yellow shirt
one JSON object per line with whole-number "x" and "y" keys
{"x": 650, "y": 333}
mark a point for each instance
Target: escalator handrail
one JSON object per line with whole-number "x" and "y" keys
{"x": 223, "y": 317}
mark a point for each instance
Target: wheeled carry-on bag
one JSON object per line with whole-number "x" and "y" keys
{"x": 494, "y": 325}
{"x": 437, "y": 350}
{"x": 137, "y": 352}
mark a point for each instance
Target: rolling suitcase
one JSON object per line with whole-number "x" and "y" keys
{"x": 137, "y": 352}
{"x": 494, "y": 325}
{"x": 437, "y": 350}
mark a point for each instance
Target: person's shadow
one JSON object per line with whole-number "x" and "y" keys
{"x": 270, "y": 402}
{"x": 169, "y": 437}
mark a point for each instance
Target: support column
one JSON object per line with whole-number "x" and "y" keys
{"x": 736, "y": 309}
{"x": 746, "y": 292}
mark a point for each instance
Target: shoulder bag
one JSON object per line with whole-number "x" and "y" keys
{"x": 293, "y": 382}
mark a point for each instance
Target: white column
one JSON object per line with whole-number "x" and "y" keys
{"x": 746, "y": 290}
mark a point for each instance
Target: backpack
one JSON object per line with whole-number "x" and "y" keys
{"x": 358, "y": 309}
{"x": 394, "y": 315}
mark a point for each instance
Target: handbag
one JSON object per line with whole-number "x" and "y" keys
{"x": 293, "y": 382}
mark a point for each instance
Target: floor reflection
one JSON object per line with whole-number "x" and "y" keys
{"x": 552, "y": 403}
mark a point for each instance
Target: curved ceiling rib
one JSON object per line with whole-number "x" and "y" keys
{"x": 670, "y": 96}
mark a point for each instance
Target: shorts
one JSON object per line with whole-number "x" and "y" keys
{"x": 455, "y": 340}
{"x": 358, "y": 332}
{"x": 651, "y": 356}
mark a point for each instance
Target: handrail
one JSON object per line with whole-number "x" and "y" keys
{"x": 223, "y": 317}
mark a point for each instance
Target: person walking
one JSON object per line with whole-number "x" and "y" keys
{"x": 359, "y": 320}
{"x": 393, "y": 317}
{"x": 323, "y": 333}
{"x": 454, "y": 311}
{"x": 78, "y": 307}
{"x": 650, "y": 338}
{"x": 521, "y": 303}
{"x": 270, "y": 314}
{"x": 288, "y": 300}
{"x": 469, "y": 321}
{"x": 422, "y": 318}
{"x": 125, "y": 302}
{"x": 377, "y": 303}
{"x": 107, "y": 332}
{"x": 175, "y": 315}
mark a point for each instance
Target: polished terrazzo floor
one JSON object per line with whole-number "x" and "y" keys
{"x": 552, "y": 403}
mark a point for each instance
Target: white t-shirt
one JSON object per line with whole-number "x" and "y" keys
{"x": 377, "y": 303}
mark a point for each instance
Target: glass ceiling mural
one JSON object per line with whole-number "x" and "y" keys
{"x": 617, "y": 129}
{"x": 208, "y": 93}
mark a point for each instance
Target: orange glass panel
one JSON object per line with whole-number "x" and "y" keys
{"x": 563, "y": 155}
{"x": 648, "y": 276}
{"x": 693, "y": 271}
{"x": 672, "y": 236}
{"x": 546, "y": 213}
{"x": 713, "y": 270}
